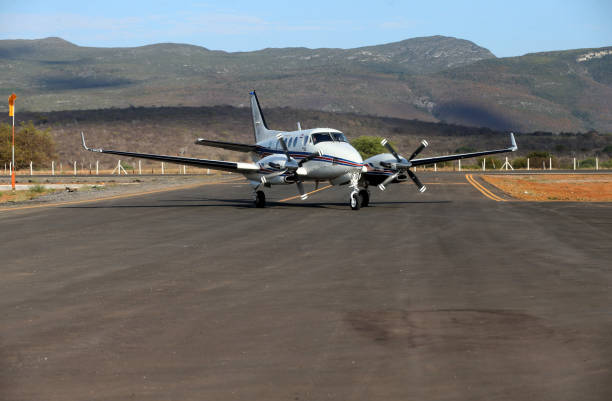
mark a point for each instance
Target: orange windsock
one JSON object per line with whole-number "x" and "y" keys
{"x": 12, "y": 104}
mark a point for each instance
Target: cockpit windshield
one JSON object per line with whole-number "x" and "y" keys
{"x": 328, "y": 137}
{"x": 339, "y": 137}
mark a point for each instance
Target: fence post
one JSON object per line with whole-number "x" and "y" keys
{"x": 527, "y": 164}
{"x": 53, "y": 167}
{"x": 596, "y": 163}
{"x": 550, "y": 163}
{"x": 75, "y": 171}
{"x": 484, "y": 163}
{"x": 139, "y": 168}
{"x": 31, "y": 173}
{"x": 459, "y": 164}
{"x": 435, "y": 167}
{"x": 574, "y": 163}
{"x": 162, "y": 168}
{"x": 97, "y": 165}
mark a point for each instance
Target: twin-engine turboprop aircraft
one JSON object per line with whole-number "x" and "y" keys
{"x": 318, "y": 154}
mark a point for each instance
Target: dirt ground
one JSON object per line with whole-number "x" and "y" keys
{"x": 96, "y": 187}
{"x": 555, "y": 187}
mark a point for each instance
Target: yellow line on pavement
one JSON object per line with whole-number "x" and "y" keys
{"x": 482, "y": 189}
{"x": 308, "y": 193}
{"x": 131, "y": 195}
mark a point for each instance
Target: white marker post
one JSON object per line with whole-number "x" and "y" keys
{"x": 596, "y": 163}
{"x": 484, "y": 163}
{"x": 53, "y": 167}
{"x": 459, "y": 164}
{"x": 574, "y": 163}
{"x": 139, "y": 168}
{"x": 527, "y": 164}
{"x": 75, "y": 171}
{"x": 550, "y": 163}
{"x": 31, "y": 173}
{"x": 162, "y": 168}
{"x": 97, "y": 165}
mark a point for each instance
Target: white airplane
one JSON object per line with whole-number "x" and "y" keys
{"x": 318, "y": 154}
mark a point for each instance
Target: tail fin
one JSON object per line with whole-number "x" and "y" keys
{"x": 259, "y": 123}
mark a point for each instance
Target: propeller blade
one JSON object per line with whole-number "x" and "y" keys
{"x": 265, "y": 178}
{"x": 390, "y": 178}
{"x": 300, "y": 186}
{"x": 418, "y": 150}
{"x": 283, "y": 145}
{"x": 310, "y": 157}
{"x": 416, "y": 180}
{"x": 387, "y": 145}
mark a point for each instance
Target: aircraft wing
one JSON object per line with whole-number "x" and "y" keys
{"x": 239, "y": 147}
{"x": 440, "y": 159}
{"x": 189, "y": 161}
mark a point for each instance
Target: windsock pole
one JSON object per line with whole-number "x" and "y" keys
{"x": 12, "y": 114}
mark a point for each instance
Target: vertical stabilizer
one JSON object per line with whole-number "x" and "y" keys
{"x": 259, "y": 123}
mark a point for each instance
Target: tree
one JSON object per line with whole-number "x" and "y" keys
{"x": 31, "y": 144}
{"x": 368, "y": 146}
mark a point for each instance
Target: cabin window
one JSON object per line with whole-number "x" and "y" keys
{"x": 321, "y": 137}
{"x": 306, "y": 140}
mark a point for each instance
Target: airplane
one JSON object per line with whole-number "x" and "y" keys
{"x": 317, "y": 154}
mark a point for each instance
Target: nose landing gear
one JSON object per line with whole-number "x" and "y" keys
{"x": 360, "y": 199}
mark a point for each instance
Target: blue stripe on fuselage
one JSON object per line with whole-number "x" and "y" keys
{"x": 300, "y": 155}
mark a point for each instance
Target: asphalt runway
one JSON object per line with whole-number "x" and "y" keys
{"x": 196, "y": 295}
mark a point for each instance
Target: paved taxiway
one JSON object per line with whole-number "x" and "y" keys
{"x": 196, "y": 295}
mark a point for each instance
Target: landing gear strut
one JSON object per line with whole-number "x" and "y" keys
{"x": 260, "y": 199}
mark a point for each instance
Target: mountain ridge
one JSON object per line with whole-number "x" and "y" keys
{"x": 435, "y": 78}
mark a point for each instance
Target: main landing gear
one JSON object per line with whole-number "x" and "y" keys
{"x": 260, "y": 199}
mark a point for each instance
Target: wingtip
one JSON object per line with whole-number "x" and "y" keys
{"x": 83, "y": 140}
{"x": 514, "y": 146}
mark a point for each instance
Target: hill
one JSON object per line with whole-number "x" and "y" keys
{"x": 431, "y": 79}
{"x": 172, "y": 130}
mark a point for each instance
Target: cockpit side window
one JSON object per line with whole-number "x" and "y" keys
{"x": 321, "y": 137}
{"x": 338, "y": 136}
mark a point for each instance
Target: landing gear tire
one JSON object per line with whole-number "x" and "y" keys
{"x": 260, "y": 199}
{"x": 356, "y": 200}
{"x": 365, "y": 197}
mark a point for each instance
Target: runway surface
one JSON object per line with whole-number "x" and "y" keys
{"x": 196, "y": 295}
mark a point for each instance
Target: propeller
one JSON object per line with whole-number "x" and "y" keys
{"x": 292, "y": 166}
{"x": 401, "y": 165}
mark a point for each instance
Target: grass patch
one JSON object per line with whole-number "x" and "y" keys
{"x": 34, "y": 192}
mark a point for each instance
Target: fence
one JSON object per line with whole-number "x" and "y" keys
{"x": 75, "y": 168}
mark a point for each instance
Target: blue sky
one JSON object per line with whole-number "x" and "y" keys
{"x": 507, "y": 28}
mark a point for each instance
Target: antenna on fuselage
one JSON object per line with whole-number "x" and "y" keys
{"x": 299, "y": 126}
